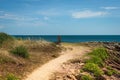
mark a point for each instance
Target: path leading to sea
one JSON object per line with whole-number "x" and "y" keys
{"x": 44, "y": 72}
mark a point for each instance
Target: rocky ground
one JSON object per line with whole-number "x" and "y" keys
{"x": 71, "y": 69}
{"x": 114, "y": 53}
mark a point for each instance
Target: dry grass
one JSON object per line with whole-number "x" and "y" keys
{"x": 40, "y": 52}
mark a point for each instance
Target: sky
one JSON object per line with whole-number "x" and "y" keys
{"x": 60, "y": 17}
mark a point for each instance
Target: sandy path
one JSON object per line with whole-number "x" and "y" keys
{"x": 44, "y": 72}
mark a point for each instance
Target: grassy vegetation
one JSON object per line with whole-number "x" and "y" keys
{"x": 93, "y": 68}
{"x": 98, "y": 56}
{"x": 86, "y": 77}
{"x": 20, "y": 51}
{"x": 28, "y": 56}
{"x": 11, "y": 77}
{"x": 5, "y": 58}
{"x": 100, "y": 52}
{"x": 96, "y": 60}
{"x": 4, "y": 39}
{"x": 110, "y": 71}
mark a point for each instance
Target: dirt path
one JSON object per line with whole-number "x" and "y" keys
{"x": 44, "y": 72}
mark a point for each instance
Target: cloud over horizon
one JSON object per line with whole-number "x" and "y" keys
{"x": 88, "y": 14}
{"x": 110, "y": 8}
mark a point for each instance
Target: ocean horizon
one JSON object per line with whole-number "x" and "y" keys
{"x": 72, "y": 38}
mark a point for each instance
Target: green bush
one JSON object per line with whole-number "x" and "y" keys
{"x": 95, "y": 60}
{"x": 11, "y": 77}
{"x": 93, "y": 68}
{"x": 5, "y": 37}
{"x": 111, "y": 71}
{"x": 86, "y": 77}
{"x": 100, "y": 52}
{"x": 20, "y": 51}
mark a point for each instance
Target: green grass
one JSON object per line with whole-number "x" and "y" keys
{"x": 11, "y": 77}
{"x": 93, "y": 68}
{"x": 98, "y": 56}
{"x": 5, "y": 38}
{"x": 20, "y": 51}
{"x": 86, "y": 77}
{"x": 111, "y": 71}
{"x": 100, "y": 52}
{"x": 95, "y": 60}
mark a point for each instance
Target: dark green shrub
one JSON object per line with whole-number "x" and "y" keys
{"x": 5, "y": 37}
{"x": 93, "y": 68}
{"x": 86, "y": 77}
{"x": 20, "y": 51}
{"x": 11, "y": 77}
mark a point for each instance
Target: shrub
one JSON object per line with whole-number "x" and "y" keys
{"x": 86, "y": 77}
{"x": 101, "y": 53}
{"x": 5, "y": 37}
{"x": 111, "y": 71}
{"x": 94, "y": 68}
{"x": 11, "y": 77}
{"x": 20, "y": 51}
{"x": 95, "y": 60}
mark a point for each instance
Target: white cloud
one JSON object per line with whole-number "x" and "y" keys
{"x": 46, "y": 18}
{"x": 10, "y": 16}
{"x": 49, "y": 12}
{"x": 29, "y": 24}
{"x": 110, "y": 8}
{"x": 88, "y": 14}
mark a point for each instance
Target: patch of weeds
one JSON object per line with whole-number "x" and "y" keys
{"x": 11, "y": 77}
{"x": 110, "y": 71}
{"x": 86, "y": 77}
{"x": 95, "y": 60}
{"x": 81, "y": 71}
{"x": 101, "y": 53}
{"x": 20, "y": 51}
{"x": 93, "y": 68}
{"x": 5, "y": 40}
{"x": 5, "y": 37}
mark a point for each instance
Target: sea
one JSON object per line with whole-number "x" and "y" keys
{"x": 72, "y": 38}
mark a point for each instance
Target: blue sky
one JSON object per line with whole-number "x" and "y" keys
{"x": 60, "y": 17}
